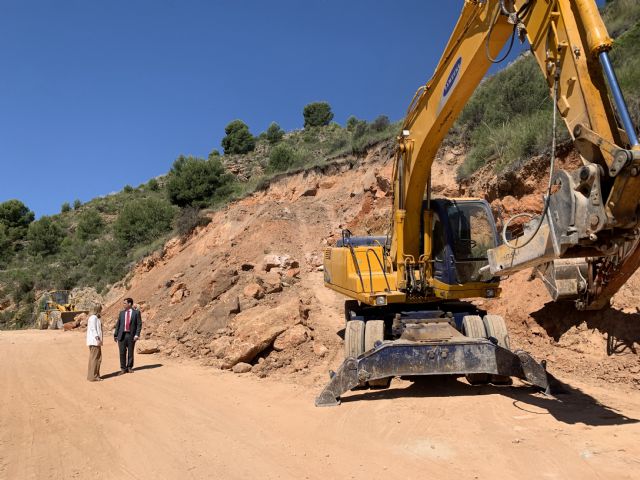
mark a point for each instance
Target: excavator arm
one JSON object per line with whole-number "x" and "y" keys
{"x": 406, "y": 315}
{"x": 584, "y": 243}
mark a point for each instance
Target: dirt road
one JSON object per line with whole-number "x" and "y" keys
{"x": 181, "y": 420}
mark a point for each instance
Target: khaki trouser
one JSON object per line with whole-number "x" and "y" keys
{"x": 95, "y": 358}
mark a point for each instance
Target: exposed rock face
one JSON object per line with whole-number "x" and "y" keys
{"x": 236, "y": 281}
{"x": 291, "y": 338}
{"x": 278, "y": 261}
{"x": 219, "y": 346}
{"x": 86, "y": 297}
{"x": 219, "y": 316}
{"x": 257, "y": 328}
{"x": 178, "y": 292}
{"x": 319, "y": 349}
{"x": 270, "y": 282}
{"x": 223, "y": 280}
{"x": 253, "y": 290}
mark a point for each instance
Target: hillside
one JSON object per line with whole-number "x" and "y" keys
{"x": 98, "y": 244}
{"x": 247, "y": 287}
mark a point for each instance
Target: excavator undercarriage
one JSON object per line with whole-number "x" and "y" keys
{"x": 452, "y": 340}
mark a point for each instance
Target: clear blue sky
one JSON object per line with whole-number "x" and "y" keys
{"x": 99, "y": 94}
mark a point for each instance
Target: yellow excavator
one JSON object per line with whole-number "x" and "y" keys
{"x": 55, "y": 308}
{"x": 406, "y": 314}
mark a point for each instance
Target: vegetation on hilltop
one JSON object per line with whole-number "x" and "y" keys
{"x": 509, "y": 117}
{"x": 96, "y": 243}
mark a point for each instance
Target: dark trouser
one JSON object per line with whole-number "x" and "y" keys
{"x": 95, "y": 359}
{"x": 126, "y": 346}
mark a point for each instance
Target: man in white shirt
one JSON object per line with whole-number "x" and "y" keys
{"x": 94, "y": 341}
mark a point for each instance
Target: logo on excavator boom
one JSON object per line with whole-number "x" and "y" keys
{"x": 453, "y": 76}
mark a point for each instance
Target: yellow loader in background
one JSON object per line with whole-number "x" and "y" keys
{"x": 55, "y": 308}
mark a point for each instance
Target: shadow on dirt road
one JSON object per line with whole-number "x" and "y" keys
{"x": 569, "y": 405}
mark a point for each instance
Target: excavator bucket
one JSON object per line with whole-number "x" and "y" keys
{"x": 70, "y": 316}
{"x": 406, "y": 358}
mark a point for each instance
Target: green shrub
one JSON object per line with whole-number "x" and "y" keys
{"x": 77, "y": 204}
{"x": 238, "y": 139}
{"x": 310, "y": 135}
{"x": 65, "y": 207}
{"x": 153, "y": 185}
{"x": 352, "y": 121}
{"x": 360, "y": 129}
{"x": 197, "y": 182}
{"x": 281, "y": 158}
{"x": 274, "y": 133}
{"x": 5, "y": 246}
{"x": 213, "y": 154}
{"x": 22, "y": 287}
{"x": 189, "y": 219}
{"x": 507, "y": 118}
{"x": 317, "y": 114}
{"x": 523, "y": 137}
{"x": 142, "y": 220}
{"x": 365, "y": 135}
{"x": 380, "y": 123}
{"x": 127, "y": 189}
{"x": 625, "y": 57}
{"x": 337, "y": 144}
{"x": 110, "y": 263}
{"x": 90, "y": 224}
{"x": 44, "y": 237}
{"x": 16, "y": 217}
{"x": 620, "y": 15}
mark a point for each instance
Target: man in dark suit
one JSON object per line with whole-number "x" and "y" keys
{"x": 126, "y": 333}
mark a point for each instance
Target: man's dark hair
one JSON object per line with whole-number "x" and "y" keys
{"x": 129, "y": 301}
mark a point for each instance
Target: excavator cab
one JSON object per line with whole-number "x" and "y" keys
{"x": 462, "y": 232}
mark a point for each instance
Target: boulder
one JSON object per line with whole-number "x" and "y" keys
{"x": 69, "y": 325}
{"x": 219, "y": 346}
{"x": 327, "y": 184}
{"x": 241, "y": 367}
{"x": 147, "y": 346}
{"x": 270, "y": 282}
{"x": 384, "y": 184}
{"x": 369, "y": 182}
{"x": 319, "y": 349}
{"x": 291, "y": 338}
{"x": 223, "y": 280}
{"x": 293, "y": 273}
{"x": 313, "y": 259}
{"x": 278, "y": 261}
{"x": 253, "y": 290}
{"x": 257, "y": 328}
{"x": 178, "y": 292}
{"x": 82, "y": 319}
{"x": 176, "y": 287}
{"x": 272, "y": 261}
{"x": 219, "y": 316}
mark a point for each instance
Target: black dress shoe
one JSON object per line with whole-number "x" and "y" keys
{"x": 122, "y": 372}
{"x": 130, "y": 370}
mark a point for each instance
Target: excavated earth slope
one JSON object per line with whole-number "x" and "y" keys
{"x": 246, "y": 291}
